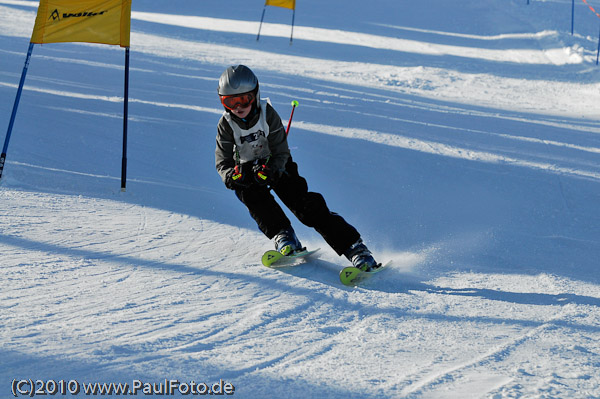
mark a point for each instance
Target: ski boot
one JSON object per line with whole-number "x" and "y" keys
{"x": 361, "y": 257}
{"x": 286, "y": 242}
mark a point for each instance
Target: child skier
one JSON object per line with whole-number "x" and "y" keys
{"x": 253, "y": 158}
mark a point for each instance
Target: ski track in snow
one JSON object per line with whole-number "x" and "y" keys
{"x": 208, "y": 310}
{"x": 468, "y": 158}
{"x": 495, "y": 355}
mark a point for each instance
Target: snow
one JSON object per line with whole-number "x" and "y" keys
{"x": 461, "y": 138}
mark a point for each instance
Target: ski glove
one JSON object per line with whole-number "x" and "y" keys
{"x": 236, "y": 179}
{"x": 263, "y": 175}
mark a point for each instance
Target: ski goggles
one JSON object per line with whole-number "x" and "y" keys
{"x": 237, "y": 100}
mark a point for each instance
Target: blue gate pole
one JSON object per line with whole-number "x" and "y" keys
{"x": 125, "y": 116}
{"x": 293, "y": 18}
{"x": 261, "y": 21}
{"x": 572, "y": 16}
{"x": 598, "y": 54}
{"x": 14, "y": 110}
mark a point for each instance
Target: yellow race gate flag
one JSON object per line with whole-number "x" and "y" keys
{"x": 291, "y": 4}
{"x": 90, "y": 21}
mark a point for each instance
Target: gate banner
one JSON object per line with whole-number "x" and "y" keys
{"x": 90, "y": 21}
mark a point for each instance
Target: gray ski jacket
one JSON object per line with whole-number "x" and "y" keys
{"x": 240, "y": 142}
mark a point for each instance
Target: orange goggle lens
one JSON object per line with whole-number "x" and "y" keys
{"x": 237, "y": 100}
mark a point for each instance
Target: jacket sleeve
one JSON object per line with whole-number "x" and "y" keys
{"x": 280, "y": 152}
{"x": 224, "y": 152}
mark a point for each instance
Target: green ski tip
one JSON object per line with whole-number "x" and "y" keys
{"x": 348, "y": 275}
{"x": 351, "y": 276}
{"x": 271, "y": 257}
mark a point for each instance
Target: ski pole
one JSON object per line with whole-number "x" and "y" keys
{"x": 294, "y": 105}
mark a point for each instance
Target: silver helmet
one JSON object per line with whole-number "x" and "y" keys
{"x": 237, "y": 79}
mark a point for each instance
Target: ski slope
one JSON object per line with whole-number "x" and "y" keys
{"x": 461, "y": 138}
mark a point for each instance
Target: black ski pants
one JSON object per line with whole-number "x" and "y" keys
{"x": 309, "y": 207}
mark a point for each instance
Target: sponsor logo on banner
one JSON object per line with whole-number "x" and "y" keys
{"x": 55, "y": 16}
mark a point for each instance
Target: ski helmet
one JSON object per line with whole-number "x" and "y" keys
{"x": 237, "y": 79}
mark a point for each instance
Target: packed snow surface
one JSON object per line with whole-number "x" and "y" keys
{"x": 461, "y": 138}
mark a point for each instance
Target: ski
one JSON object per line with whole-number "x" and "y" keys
{"x": 274, "y": 258}
{"x": 352, "y": 276}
